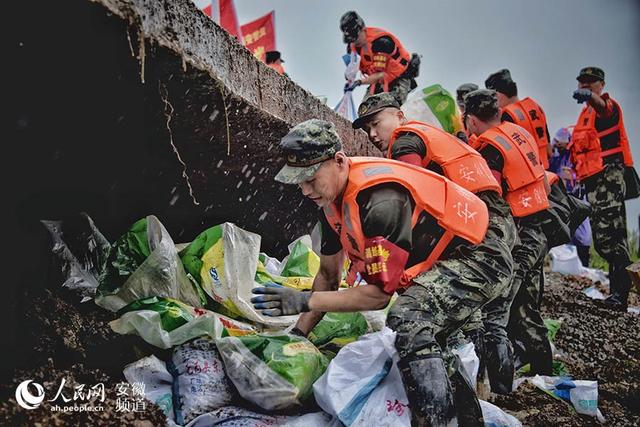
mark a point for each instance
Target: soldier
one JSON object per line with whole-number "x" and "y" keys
{"x": 512, "y": 155}
{"x": 425, "y": 146}
{"x": 523, "y": 112}
{"x": 386, "y": 64}
{"x": 404, "y": 229}
{"x": 462, "y": 90}
{"x": 602, "y": 158}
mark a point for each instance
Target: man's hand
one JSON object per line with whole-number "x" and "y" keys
{"x": 582, "y": 95}
{"x": 348, "y": 87}
{"x": 276, "y": 300}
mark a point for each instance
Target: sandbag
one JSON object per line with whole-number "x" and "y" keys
{"x": 223, "y": 260}
{"x": 363, "y": 386}
{"x": 144, "y": 263}
{"x": 435, "y": 106}
{"x": 158, "y": 382}
{"x": 274, "y": 371}
{"x": 336, "y": 330}
{"x": 165, "y": 323}
{"x": 200, "y": 384}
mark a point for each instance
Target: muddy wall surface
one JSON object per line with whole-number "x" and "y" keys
{"x": 128, "y": 108}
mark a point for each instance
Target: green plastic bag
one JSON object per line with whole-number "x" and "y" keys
{"x": 166, "y": 322}
{"x": 552, "y": 328}
{"x": 173, "y": 313}
{"x": 301, "y": 262}
{"x": 273, "y": 371}
{"x": 443, "y": 106}
{"x": 126, "y": 255}
{"x": 336, "y": 330}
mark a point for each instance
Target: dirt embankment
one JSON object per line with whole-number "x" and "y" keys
{"x": 595, "y": 343}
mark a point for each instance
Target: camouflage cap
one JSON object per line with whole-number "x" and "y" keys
{"x": 499, "y": 81}
{"x": 373, "y": 104}
{"x": 482, "y": 103}
{"x": 590, "y": 74}
{"x": 464, "y": 89}
{"x": 305, "y": 148}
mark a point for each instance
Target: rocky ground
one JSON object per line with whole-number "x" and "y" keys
{"x": 594, "y": 343}
{"x": 74, "y": 342}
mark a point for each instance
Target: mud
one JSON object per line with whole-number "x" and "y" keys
{"x": 595, "y": 343}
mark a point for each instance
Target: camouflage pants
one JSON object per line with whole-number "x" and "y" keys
{"x": 399, "y": 88}
{"x": 525, "y": 325}
{"x": 444, "y": 298}
{"x": 605, "y": 193}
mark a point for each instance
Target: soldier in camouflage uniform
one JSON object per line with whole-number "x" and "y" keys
{"x": 605, "y": 167}
{"x": 519, "y": 307}
{"x": 436, "y": 302}
{"x": 381, "y": 118}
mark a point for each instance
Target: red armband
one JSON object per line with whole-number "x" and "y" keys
{"x": 384, "y": 263}
{"x": 412, "y": 159}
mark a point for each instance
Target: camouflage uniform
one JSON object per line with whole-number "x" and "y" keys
{"x": 444, "y": 298}
{"x": 525, "y": 322}
{"x": 399, "y": 88}
{"x": 606, "y": 193}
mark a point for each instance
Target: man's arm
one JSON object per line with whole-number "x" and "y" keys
{"x": 372, "y": 79}
{"x": 360, "y": 298}
{"x": 409, "y": 148}
{"x": 599, "y": 104}
{"x": 327, "y": 279}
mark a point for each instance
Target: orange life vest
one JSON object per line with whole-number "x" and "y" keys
{"x": 457, "y": 211}
{"x": 586, "y": 150}
{"x": 459, "y": 162}
{"x": 522, "y": 170}
{"x": 393, "y": 65}
{"x": 278, "y": 67}
{"x": 552, "y": 177}
{"x": 528, "y": 114}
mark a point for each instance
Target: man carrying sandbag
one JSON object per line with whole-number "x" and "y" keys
{"x": 404, "y": 229}
{"x": 425, "y": 146}
{"x": 386, "y": 64}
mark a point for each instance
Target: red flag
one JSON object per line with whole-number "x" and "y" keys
{"x": 260, "y": 35}
{"x": 224, "y": 13}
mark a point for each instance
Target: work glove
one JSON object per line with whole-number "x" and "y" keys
{"x": 276, "y": 300}
{"x": 351, "y": 86}
{"x": 582, "y": 95}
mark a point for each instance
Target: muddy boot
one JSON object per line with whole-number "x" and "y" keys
{"x": 541, "y": 358}
{"x": 465, "y": 400}
{"x": 429, "y": 392}
{"x": 499, "y": 362}
{"x": 620, "y": 285}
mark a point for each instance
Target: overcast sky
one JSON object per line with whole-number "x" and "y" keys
{"x": 543, "y": 43}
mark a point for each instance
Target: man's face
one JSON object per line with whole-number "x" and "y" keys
{"x": 380, "y": 127}
{"x": 324, "y": 186}
{"x": 362, "y": 38}
{"x": 596, "y": 86}
{"x": 503, "y": 100}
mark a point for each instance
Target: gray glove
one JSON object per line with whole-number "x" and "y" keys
{"x": 582, "y": 95}
{"x": 276, "y": 300}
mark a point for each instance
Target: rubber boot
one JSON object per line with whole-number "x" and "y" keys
{"x": 429, "y": 392}
{"x": 541, "y": 358}
{"x": 465, "y": 399}
{"x": 499, "y": 362}
{"x": 620, "y": 285}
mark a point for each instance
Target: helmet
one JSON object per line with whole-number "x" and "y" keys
{"x": 350, "y": 24}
